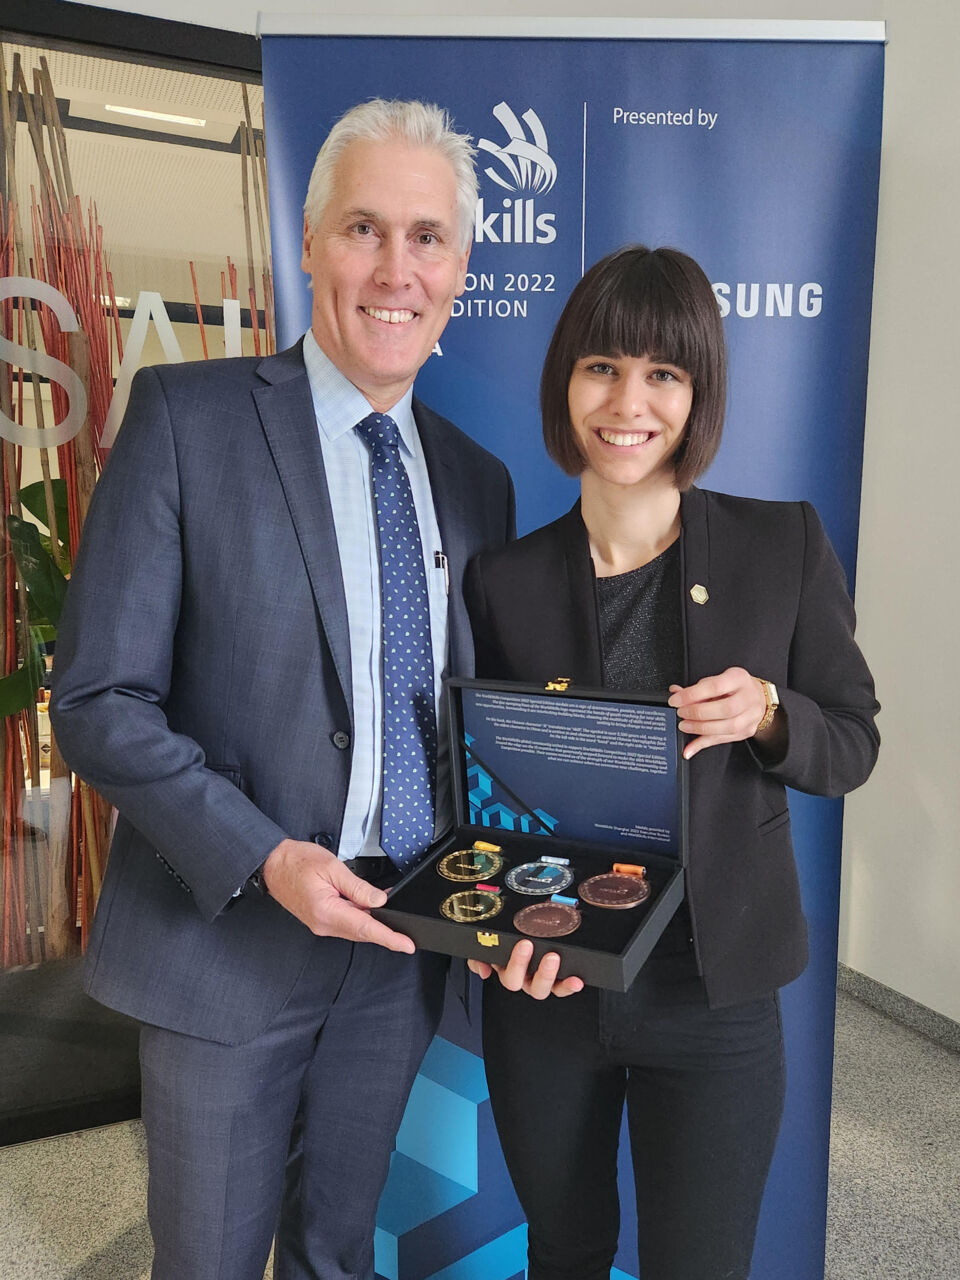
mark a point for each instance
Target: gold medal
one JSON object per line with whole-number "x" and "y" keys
{"x": 471, "y": 905}
{"x": 470, "y": 864}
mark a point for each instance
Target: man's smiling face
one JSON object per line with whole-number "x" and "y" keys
{"x": 386, "y": 263}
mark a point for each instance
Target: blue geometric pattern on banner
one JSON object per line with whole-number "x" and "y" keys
{"x": 501, "y": 1259}
{"x": 386, "y": 1255}
{"x": 437, "y": 1207}
{"x": 626, "y": 1256}
{"x": 439, "y": 1130}
{"x": 414, "y": 1194}
{"x": 456, "y": 1069}
{"x": 436, "y": 1164}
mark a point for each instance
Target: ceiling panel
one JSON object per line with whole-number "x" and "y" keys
{"x": 79, "y": 75}
{"x": 160, "y": 203}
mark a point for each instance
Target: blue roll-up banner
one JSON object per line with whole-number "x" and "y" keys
{"x": 760, "y": 157}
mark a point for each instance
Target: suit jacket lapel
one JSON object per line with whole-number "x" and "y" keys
{"x": 698, "y": 618}
{"x": 576, "y": 592}
{"x": 289, "y": 423}
{"x": 446, "y": 487}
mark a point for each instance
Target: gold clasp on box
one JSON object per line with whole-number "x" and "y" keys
{"x": 558, "y": 685}
{"x": 488, "y": 939}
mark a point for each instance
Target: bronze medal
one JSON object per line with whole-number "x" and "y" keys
{"x": 547, "y": 920}
{"x": 614, "y": 890}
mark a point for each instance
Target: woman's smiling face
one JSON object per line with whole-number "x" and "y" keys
{"x": 629, "y": 414}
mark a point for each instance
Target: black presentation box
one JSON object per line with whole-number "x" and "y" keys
{"x": 589, "y": 775}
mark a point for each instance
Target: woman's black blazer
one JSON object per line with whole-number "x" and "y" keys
{"x": 777, "y": 604}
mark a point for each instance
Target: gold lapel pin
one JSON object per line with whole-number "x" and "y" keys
{"x": 698, "y": 594}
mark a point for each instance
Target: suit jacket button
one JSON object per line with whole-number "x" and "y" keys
{"x": 324, "y": 838}
{"x": 340, "y": 740}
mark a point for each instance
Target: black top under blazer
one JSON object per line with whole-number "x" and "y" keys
{"x": 778, "y": 606}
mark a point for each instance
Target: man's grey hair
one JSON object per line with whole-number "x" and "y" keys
{"x": 418, "y": 124}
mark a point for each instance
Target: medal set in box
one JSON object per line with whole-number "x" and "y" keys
{"x": 570, "y": 829}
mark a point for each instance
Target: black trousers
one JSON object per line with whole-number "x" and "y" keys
{"x": 704, "y": 1095}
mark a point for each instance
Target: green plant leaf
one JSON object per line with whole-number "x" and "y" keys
{"x": 45, "y": 583}
{"x": 34, "y": 499}
{"x": 19, "y": 689}
{"x": 47, "y": 543}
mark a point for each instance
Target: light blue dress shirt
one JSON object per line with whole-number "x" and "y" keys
{"x": 339, "y": 406}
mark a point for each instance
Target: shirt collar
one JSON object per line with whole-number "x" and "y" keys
{"x": 339, "y": 405}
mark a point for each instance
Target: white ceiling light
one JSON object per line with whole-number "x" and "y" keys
{"x": 156, "y": 115}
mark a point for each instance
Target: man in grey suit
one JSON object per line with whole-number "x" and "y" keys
{"x": 219, "y": 680}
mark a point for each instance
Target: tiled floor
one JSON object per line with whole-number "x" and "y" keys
{"x": 72, "y": 1208}
{"x": 894, "y": 1206}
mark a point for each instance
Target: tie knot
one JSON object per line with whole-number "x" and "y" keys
{"x": 379, "y": 429}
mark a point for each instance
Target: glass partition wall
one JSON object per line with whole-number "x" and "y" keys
{"x": 133, "y": 230}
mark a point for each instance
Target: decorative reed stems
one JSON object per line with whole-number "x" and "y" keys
{"x": 55, "y": 842}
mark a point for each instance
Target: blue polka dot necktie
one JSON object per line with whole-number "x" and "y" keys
{"x": 409, "y": 706}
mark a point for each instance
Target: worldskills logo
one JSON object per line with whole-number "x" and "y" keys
{"x": 525, "y": 165}
{"x": 528, "y": 163}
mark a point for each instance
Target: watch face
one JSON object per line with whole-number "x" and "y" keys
{"x": 614, "y": 890}
{"x": 469, "y": 864}
{"x": 547, "y": 920}
{"x": 471, "y": 905}
{"x": 535, "y": 878}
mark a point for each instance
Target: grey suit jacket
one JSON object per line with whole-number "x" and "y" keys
{"x": 202, "y": 677}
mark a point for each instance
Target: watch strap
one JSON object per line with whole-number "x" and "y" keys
{"x": 772, "y": 699}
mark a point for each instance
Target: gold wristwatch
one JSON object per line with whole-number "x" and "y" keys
{"x": 773, "y": 701}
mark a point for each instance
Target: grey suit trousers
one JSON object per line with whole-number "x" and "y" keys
{"x": 334, "y": 1069}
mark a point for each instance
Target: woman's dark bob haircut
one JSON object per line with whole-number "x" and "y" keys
{"x": 641, "y": 302}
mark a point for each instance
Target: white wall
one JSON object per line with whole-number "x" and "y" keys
{"x": 902, "y": 835}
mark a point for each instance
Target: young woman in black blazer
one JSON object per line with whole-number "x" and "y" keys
{"x": 740, "y": 608}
